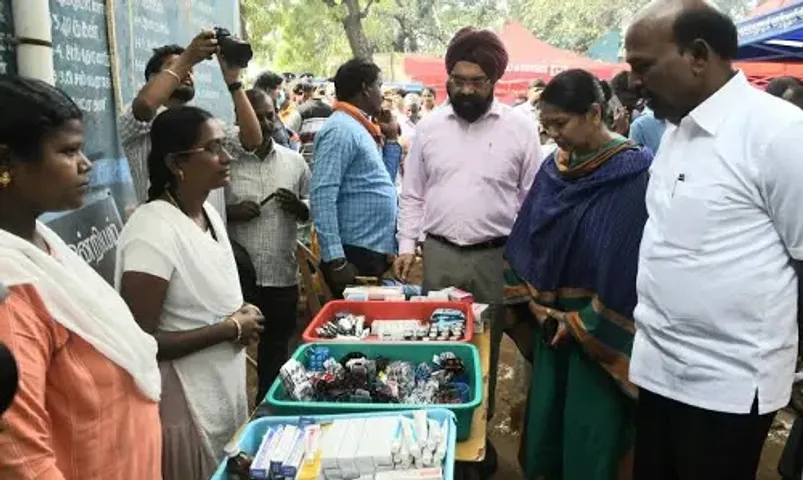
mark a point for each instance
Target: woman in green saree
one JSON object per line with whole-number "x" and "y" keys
{"x": 572, "y": 258}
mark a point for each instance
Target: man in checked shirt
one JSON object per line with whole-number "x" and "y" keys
{"x": 268, "y": 229}
{"x": 170, "y": 83}
{"x": 354, "y": 203}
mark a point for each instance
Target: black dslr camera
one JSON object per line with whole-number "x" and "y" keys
{"x": 236, "y": 53}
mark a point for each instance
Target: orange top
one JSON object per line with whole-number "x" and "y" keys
{"x": 77, "y": 415}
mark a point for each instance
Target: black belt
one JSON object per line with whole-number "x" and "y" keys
{"x": 486, "y": 245}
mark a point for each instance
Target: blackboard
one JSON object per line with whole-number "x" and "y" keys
{"x": 92, "y": 232}
{"x": 8, "y": 63}
{"x": 83, "y": 70}
{"x": 142, "y": 25}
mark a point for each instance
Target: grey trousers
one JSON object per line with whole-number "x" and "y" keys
{"x": 479, "y": 272}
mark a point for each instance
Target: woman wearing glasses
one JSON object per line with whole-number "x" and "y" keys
{"x": 176, "y": 271}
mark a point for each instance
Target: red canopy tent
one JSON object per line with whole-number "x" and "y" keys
{"x": 530, "y": 59}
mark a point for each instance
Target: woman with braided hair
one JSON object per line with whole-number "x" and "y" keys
{"x": 89, "y": 386}
{"x": 176, "y": 271}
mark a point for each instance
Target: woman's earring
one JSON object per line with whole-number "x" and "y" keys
{"x": 5, "y": 179}
{"x": 180, "y": 175}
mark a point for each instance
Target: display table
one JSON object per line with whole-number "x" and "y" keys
{"x": 473, "y": 448}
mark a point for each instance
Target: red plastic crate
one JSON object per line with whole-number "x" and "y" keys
{"x": 376, "y": 310}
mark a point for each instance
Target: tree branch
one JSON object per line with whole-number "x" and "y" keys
{"x": 330, "y": 3}
{"x": 364, "y": 12}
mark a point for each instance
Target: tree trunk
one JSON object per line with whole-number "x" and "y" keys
{"x": 243, "y": 29}
{"x": 352, "y": 24}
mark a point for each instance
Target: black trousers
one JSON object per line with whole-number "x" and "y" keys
{"x": 280, "y": 307}
{"x": 675, "y": 441}
{"x": 368, "y": 263}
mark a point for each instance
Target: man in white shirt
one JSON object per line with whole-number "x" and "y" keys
{"x": 714, "y": 353}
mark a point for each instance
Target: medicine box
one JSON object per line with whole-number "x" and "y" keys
{"x": 330, "y": 444}
{"x": 374, "y": 451}
{"x": 348, "y": 448}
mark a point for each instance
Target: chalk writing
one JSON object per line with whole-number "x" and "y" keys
{"x": 7, "y": 63}
{"x": 69, "y": 78}
{"x": 205, "y": 8}
{"x": 91, "y": 105}
{"x": 76, "y": 54}
{"x": 82, "y": 67}
{"x": 89, "y": 6}
{"x": 151, "y": 25}
{"x": 72, "y": 27}
{"x": 154, "y": 6}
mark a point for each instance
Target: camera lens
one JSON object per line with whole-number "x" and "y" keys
{"x": 235, "y": 52}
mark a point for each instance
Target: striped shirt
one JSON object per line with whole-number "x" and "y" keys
{"x": 353, "y": 198}
{"x": 136, "y": 140}
{"x": 77, "y": 415}
{"x": 270, "y": 239}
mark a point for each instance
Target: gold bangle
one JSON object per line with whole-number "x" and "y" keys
{"x": 239, "y": 329}
{"x": 172, "y": 74}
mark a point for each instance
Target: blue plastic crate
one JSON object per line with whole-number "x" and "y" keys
{"x": 251, "y": 436}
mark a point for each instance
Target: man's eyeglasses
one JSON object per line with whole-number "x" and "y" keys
{"x": 476, "y": 82}
{"x": 215, "y": 148}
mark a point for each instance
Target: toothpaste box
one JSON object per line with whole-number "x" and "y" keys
{"x": 330, "y": 444}
{"x": 374, "y": 451}
{"x": 260, "y": 467}
{"x": 291, "y": 467}
{"x": 348, "y": 448}
{"x": 289, "y": 438}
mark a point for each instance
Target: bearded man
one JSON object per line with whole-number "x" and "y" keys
{"x": 468, "y": 170}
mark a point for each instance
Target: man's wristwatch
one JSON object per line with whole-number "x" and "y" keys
{"x": 234, "y": 86}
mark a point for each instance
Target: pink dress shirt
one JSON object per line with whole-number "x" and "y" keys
{"x": 466, "y": 181}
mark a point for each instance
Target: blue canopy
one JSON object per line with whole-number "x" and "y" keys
{"x": 774, "y": 37}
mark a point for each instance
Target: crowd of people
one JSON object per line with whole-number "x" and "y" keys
{"x": 637, "y": 239}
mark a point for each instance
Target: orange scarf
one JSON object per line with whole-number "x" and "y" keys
{"x": 357, "y": 114}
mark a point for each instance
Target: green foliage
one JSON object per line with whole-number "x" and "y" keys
{"x": 573, "y": 24}
{"x": 309, "y": 35}
{"x": 296, "y": 35}
{"x": 576, "y": 24}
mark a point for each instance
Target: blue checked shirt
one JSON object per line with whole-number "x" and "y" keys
{"x": 353, "y": 197}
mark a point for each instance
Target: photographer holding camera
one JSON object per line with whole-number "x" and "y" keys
{"x": 170, "y": 83}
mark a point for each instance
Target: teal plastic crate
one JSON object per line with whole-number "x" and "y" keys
{"x": 249, "y": 439}
{"x": 282, "y": 404}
